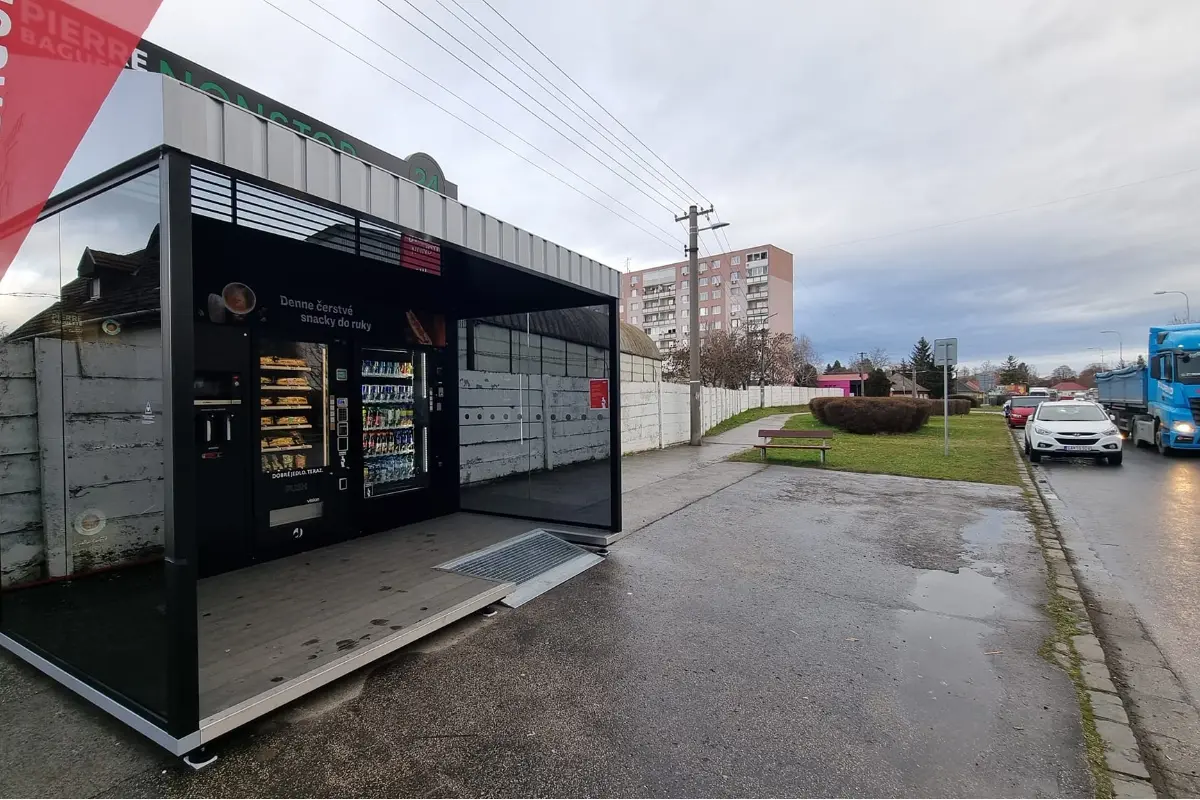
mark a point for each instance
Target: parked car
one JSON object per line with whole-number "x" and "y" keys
{"x": 1072, "y": 429}
{"x": 1020, "y": 408}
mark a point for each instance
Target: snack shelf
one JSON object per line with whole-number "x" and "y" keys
{"x": 390, "y": 377}
{"x": 288, "y": 407}
{"x": 267, "y": 388}
{"x": 285, "y": 427}
{"x": 284, "y": 369}
{"x": 284, "y": 449}
{"x": 386, "y": 428}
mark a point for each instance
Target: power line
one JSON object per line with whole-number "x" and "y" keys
{"x": 597, "y": 102}
{"x": 553, "y": 89}
{"x": 498, "y": 88}
{"x": 716, "y": 234}
{"x": 470, "y": 125}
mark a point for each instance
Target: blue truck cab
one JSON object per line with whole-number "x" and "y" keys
{"x": 1159, "y": 404}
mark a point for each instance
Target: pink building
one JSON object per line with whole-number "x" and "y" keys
{"x": 849, "y": 382}
{"x": 750, "y": 288}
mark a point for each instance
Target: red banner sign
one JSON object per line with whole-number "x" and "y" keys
{"x": 420, "y": 255}
{"x": 58, "y": 61}
{"x": 599, "y": 393}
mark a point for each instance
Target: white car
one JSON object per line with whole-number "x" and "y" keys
{"x": 1072, "y": 429}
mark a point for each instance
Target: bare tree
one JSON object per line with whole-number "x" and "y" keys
{"x": 727, "y": 358}
{"x": 1062, "y": 373}
{"x": 676, "y": 365}
{"x": 808, "y": 361}
{"x": 876, "y": 358}
{"x": 737, "y": 359}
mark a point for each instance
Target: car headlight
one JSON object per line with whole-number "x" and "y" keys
{"x": 1111, "y": 430}
{"x": 1038, "y": 429}
{"x": 1184, "y": 427}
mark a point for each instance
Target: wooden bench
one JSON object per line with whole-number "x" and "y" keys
{"x": 824, "y": 436}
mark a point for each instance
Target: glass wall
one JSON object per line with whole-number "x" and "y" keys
{"x": 535, "y": 423}
{"x": 81, "y": 444}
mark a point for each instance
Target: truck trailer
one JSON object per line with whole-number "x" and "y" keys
{"x": 1159, "y": 404}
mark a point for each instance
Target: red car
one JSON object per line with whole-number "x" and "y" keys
{"x": 1021, "y": 409}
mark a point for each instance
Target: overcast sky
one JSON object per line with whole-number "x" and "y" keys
{"x": 809, "y": 125}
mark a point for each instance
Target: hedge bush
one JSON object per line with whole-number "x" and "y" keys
{"x": 871, "y": 415}
{"x": 970, "y": 398}
{"x": 816, "y": 404}
{"x": 956, "y": 407}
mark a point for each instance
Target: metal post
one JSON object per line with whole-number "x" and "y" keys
{"x": 946, "y": 407}
{"x": 694, "y": 323}
{"x": 693, "y": 251}
{"x": 180, "y": 569}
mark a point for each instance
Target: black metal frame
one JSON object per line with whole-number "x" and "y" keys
{"x": 614, "y": 406}
{"x": 179, "y": 457}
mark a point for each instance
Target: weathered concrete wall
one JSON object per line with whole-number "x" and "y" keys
{"x": 22, "y": 543}
{"x": 506, "y": 420}
{"x": 81, "y": 457}
{"x": 656, "y": 415}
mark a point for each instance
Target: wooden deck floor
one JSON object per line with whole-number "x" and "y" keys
{"x": 271, "y": 623}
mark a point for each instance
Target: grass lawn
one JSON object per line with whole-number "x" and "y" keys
{"x": 750, "y": 415}
{"x": 979, "y": 451}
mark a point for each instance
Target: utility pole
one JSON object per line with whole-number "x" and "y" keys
{"x": 693, "y": 252}
{"x": 862, "y": 369}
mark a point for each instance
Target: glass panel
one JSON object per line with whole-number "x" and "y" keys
{"x": 84, "y": 580}
{"x": 534, "y": 422}
{"x": 293, "y": 435}
{"x": 395, "y": 419}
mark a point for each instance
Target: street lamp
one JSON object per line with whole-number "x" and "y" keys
{"x": 1102, "y": 356}
{"x": 1187, "y": 304}
{"x": 1121, "y": 345}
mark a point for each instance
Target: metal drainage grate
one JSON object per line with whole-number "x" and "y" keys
{"x": 536, "y": 562}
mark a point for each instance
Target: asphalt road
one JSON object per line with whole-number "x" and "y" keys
{"x": 795, "y": 634}
{"x": 1143, "y": 522}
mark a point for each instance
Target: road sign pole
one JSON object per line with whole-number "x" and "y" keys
{"x": 945, "y": 355}
{"x": 946, "y": 408}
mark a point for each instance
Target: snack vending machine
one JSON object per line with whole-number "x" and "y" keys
{"x": 293, "y": 443}
{"x": 395, "y": 421}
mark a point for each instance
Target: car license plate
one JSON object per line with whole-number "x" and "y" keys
{"x": 1076, "y": 447}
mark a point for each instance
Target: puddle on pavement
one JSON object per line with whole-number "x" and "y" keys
{"x": 971, "y": 591}
{"x": 965, "y": 593}
{"x": 988, "y": 530}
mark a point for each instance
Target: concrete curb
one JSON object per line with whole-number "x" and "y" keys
{"x": 1122, "y": 753}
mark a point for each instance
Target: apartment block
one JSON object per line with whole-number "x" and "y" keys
{"x": 750, "y": 289}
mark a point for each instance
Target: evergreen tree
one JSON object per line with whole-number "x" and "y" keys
{"x": 836, "y": 366}
{"x": 1009, "y": 372}
{"x": 1141, "y": 360}
{"x": 877, "y": 384}
{"x": 928, "y": 376}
